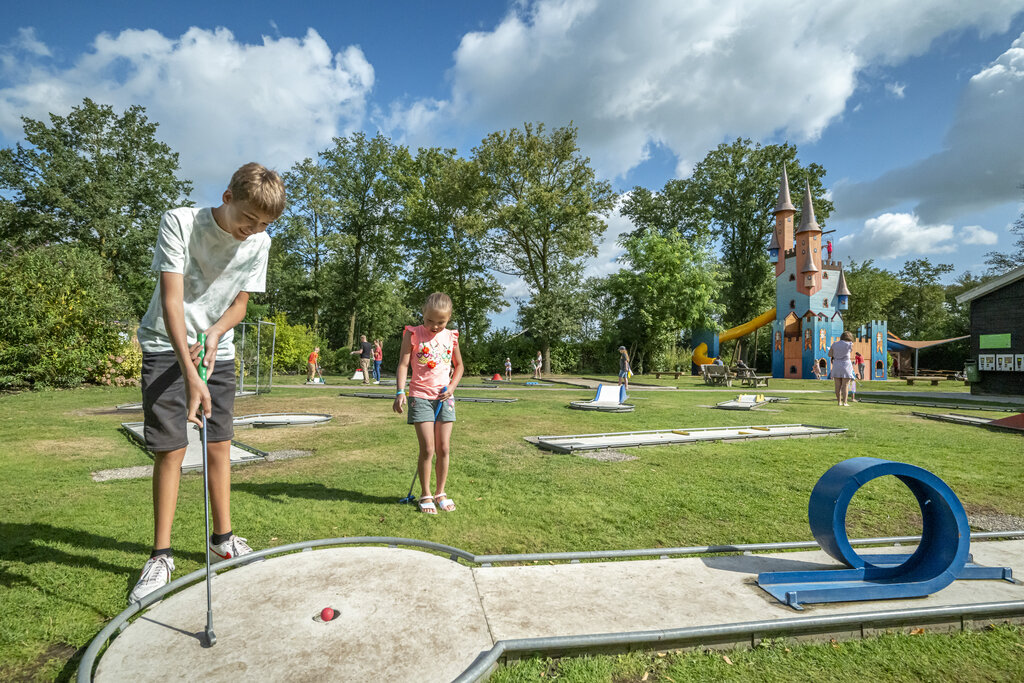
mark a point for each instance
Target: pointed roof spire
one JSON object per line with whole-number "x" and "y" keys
{"x": 809, "y": 266}
{"x": 784, "y": 203}
{"x": 841, "y": 288}
{"x": 775, "y": 241}
{"x": 807, "y": 222}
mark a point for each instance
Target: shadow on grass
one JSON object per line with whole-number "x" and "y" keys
{"x": 27, "y": 544}
{"x": 280, "y": 492}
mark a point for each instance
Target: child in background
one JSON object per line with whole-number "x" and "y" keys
{"x": 853, "y": 389}
{"x": 312, "y": 364}
{"x": 508, "y": 368}
{"x": 208, "y": 261}
{"x": 433, "y": 351}
{"x": 538, "y": 365}
{"x": 624, "y": 371}
{"x": 378, "y": 359}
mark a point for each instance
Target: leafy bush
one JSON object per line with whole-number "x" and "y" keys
{"x": 61, "y": 319}
{"x": 122, "y": 368}
{"x": 292, "y": 346}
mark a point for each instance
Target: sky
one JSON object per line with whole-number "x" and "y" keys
{"x": 914, "y": 107}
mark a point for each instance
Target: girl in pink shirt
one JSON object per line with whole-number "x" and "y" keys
{"x": 433, "y": 352}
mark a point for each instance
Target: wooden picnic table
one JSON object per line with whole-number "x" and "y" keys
{"x": 748, "y": 377}
{"x": 717, "y": 375}
{"x": 657, "y": 375}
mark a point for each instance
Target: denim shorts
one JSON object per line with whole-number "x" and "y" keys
{"x": 423, "y": 409}
{"x": 163, "y": 402}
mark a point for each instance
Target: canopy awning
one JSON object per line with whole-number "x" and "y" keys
{"x": 895, "y": 342}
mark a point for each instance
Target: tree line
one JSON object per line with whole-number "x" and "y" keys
{"x": 372, "y": 227}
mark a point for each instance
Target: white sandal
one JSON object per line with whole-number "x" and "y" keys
{"x": 443, "y": 498}
{"x": 428, "y": 506}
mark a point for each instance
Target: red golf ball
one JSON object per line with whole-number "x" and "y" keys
{"x": 327, "y": 614}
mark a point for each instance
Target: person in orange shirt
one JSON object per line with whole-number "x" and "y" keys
{"x": 311, "y": 364}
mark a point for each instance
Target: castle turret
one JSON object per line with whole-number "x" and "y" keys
{"x": 842, "y": 293}
{"x": 782, "y": 238}
{"x": 808, "y": 247}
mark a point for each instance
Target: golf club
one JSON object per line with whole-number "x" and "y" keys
{"x": 409, "y": 498}
{"x": 211, "y": 637}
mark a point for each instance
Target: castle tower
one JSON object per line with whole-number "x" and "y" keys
{"x": 842, "y": 293}
{"x": 782, "y": 238}
{"x": 808, "y": 248}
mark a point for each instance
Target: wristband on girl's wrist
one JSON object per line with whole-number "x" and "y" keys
{"x": 400, "y": 392}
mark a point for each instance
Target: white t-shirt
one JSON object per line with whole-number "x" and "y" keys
{"x": 215, "y": 266}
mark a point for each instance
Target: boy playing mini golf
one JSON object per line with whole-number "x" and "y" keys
{"x": 208, "y": 261}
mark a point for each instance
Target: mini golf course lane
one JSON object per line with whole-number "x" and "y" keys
{"x": 404, "y": 616}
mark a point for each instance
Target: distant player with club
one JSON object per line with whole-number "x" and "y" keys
{"x": 433, "y": 351}
{"x": 312, "y": 364}
{"x": 209, "y": 260}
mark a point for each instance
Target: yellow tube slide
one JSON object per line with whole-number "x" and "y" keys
{"x": 700, "y": 354}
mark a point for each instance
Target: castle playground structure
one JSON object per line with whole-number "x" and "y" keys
{"x": 810, "y": 298}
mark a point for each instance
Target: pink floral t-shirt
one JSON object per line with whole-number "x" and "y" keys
{"x": 431, "y": 360}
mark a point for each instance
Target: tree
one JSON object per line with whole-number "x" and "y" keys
{"x": 731, "y": 195}
{"x": 667, "y": 285}
{"x": 306, "y": 239}
{"x": 1000, "y": 263}
{"x": 920, "y": 311}
{"x": 63, "y": 316}
{"x": 873, "y": 292}
{"x": 94, "y": 179}
{"x": 368, "y": 180}
{"x": 445, "y": 241}
{"x": 544, "y": 214}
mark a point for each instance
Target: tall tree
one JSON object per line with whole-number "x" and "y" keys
{"x": 872, "y": 293}
{"x": 368, "y": 179}
{"x": 95, "y": 179}
{"x": 732, "y": 193}
{"x": 445, "y": 241}
{"x": 544, "y": 215}
{"x": 920, "y": 311}
{"x": 999, "y": 262}
{"x": 307, "y": 238}
{"x": 667, "y": 285}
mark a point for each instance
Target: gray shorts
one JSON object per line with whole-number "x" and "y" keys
{"x": 422, "y": 410}
{"x": 163, "y": 402}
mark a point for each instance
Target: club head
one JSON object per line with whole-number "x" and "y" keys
{"x": 210, "y": 638}
{"x": 407, "y": 499}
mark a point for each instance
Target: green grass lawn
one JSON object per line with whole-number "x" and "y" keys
{"x": 71, "y": 548}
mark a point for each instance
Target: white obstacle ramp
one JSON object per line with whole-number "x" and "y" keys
{"x": 607, "y": 400}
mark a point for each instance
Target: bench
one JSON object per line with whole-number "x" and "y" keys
{"x": 716, "y": 375}
{"x": 749, "y": 378}
{"x": 657, "y": 375}
{"x": 921, "y": 378}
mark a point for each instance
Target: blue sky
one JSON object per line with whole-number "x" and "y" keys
{"x": 914, "y": 107}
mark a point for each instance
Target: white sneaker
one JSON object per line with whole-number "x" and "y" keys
{"x": 233, "y": 547}
{"x": 376, "y": 382}
{"x": 156, "y": 573}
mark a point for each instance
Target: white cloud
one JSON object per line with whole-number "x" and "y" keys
{"x": 219, "y": 102}
{"x": 896, "y": 89}
{"x": 980, "y": 166}
{"x": 894, "y": 235}
{"x": 683, "y": 74}
{"x": 975, "y": 234}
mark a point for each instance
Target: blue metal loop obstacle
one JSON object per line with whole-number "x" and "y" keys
{"x": 942, "y": 556}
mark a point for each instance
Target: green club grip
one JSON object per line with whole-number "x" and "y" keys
{"x": 202, "y": 354}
